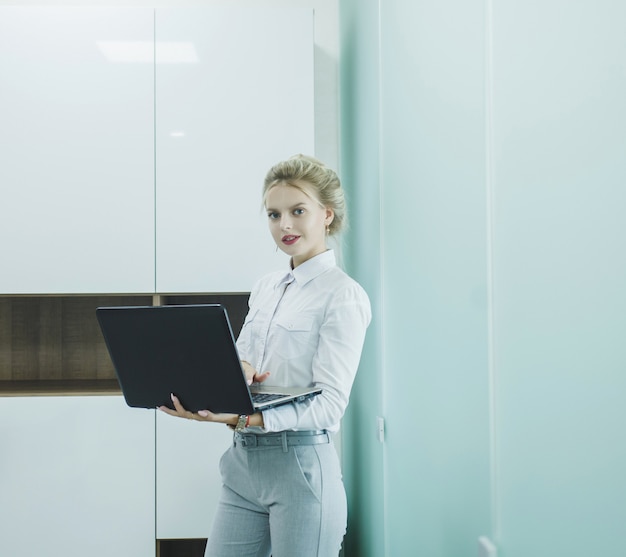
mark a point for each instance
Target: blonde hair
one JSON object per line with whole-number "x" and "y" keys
{"x": 323, "y": 183}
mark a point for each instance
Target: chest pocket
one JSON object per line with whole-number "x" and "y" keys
{"x": 295, "y": 335}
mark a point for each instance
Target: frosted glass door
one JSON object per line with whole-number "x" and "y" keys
{"x": 76, "y": 150}
{"x": 76, "y": 477}
{"x": 560, "y": 271}
{"x": 434, "y": 274}
{"x": 234, "y": 90}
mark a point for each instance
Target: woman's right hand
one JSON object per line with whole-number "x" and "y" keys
{"x": 252, "y": 375}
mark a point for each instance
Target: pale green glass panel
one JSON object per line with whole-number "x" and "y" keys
{"x": 362, "y": 452}
{"x": 560, "y": 271}
{"x": 434, "y": 277}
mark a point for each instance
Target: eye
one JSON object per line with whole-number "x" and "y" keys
{"x": 273, "y": 215}
{"x": 298, "y": 211}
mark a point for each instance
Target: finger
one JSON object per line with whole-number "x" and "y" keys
{"x": 249, "y": 371}
{"x": 177, "y": 405}
{"x": 174, "y": 413}
{"x": 260, "y": 377}
{"x": 181, "y": 411}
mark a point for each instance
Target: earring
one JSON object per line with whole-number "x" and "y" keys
{"x": 327, "y": 230}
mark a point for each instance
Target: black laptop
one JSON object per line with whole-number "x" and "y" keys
{"x": 188, "y": 350}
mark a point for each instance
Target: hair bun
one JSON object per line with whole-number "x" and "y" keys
{"x": 308, "y": 158}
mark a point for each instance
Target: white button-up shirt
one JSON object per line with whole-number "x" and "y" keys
{"x": 307, "y": 327}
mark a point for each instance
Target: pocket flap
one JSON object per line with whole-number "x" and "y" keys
{"x": 295, "y": 322}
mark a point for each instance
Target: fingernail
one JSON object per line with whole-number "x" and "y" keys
{"x": 203, "y": 413}
{"x": 249, "y": 381}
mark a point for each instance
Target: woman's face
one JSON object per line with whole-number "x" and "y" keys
{"x": 297, "y": 221}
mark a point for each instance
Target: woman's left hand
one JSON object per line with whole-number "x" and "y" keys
{"x": 252, "y": 375}
{"x": 201, "y": 416}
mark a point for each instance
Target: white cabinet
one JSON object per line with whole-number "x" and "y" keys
{"x": 76, "y": 151}
{"x": 92, "y": 102}
{"x": 187, "y": 475}
{"x": 133, "y": 147}
{"x": 76, "y": 477}
{"x": 237, "y": 100}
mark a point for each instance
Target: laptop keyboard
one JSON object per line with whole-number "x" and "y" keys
{"x": 258, "y": 398}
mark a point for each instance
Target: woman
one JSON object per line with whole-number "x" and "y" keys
{"x": 304, "y": 327}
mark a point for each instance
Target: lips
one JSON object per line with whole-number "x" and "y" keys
{"x": 289, "y": 240}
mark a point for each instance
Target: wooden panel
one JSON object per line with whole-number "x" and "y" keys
{"x": 25, "y": 339}
{"x": 53, "y": 344}
{"x": 6, "y": 328}
{"x": 79, "y": 339}
{"x": 59, "y": 387}
{"x": 236, "y": 305}
{"x": 52, "y": 339}
{"x": 181, "y": 548}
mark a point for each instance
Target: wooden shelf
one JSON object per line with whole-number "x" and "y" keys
{"x": 82, "y": 387}
{"x": 52, "y": 345}
{"x": 181, "y": 548}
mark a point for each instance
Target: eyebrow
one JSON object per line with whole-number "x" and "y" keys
{"x": 290, "y": 208}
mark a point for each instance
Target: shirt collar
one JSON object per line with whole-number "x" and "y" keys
{"x": 310, "y": 269}
{"x": 314, "y": 267}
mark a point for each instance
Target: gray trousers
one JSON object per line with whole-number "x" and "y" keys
{"x": 279, "y": 501}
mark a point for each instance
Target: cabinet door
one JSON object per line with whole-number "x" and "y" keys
{"x": 76, "y": 150}
{"x": 234, "y": 90}
{"x": 188, "y": 480}
{"x": 76, "y": 477}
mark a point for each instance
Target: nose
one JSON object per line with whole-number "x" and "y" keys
{"x": 285, "y": 222}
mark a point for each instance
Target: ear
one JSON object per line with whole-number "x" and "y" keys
{"x": 330, "y": 216}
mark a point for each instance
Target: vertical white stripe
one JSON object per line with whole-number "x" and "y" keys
{"x": 490, "y": 200}
{"x": 381, "y": 251}
{"x": 154, "y": 145}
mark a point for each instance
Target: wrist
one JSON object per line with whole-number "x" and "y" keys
{"x": 253, "y": 420}
{"x": 243, "y": 421}
{"x": 256, "y": 420}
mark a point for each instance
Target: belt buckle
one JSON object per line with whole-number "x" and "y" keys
{"x": 248, "y": 440}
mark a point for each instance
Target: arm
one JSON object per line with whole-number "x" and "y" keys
{"x": 334, "y": 367}
{"x": 207, "y": 416}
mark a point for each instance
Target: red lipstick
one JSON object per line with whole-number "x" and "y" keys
{"x": 289, "y": 239}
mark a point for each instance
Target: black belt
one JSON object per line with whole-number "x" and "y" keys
{"x": 283, "y": 439}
